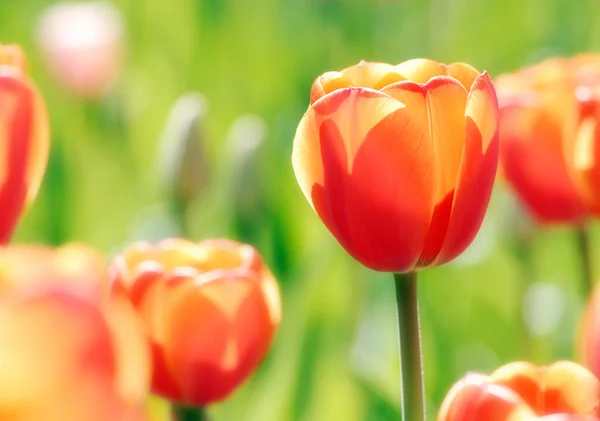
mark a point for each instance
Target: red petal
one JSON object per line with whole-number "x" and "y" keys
{"x": 477, "y": 169}
{"x": 364, "y": 162}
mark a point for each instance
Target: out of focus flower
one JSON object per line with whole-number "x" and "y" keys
{"x": 523, "y": 392}
{"x": 589, "y": 334}
{"x": 69, "y": 355}
{"x": 82, "y": 43}
{"x": 399, "y": 161}
{"x": 210, "y": 310}
{"x": 582, "y": 137}
{"x": 545, "y": 157}
{"x": 37, "y": 264}
{"x": 24, "y": 139}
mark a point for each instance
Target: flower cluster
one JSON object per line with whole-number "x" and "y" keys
{"x": 398, "y": 161}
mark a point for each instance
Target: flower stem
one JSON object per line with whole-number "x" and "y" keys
{"x": 585, "y": 253}
{"x": 186, "y": 413}
{"x": 412, "y": 390}
{"x": 522, "y": 248}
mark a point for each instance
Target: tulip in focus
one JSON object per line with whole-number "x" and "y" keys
{"x": 563, "y": 391}
{"x": 210, "y": 310}
{"x": 399, "y": 161}
{"x": 37, "y": 264}
{"x": 82, "y": 43}
{"x": 68, "y": 355}
{"x": 24, "y": 139}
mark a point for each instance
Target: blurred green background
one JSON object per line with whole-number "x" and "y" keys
{"x": 335, "y": 357}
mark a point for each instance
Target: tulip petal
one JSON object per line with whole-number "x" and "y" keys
{"x": 464, "y": 73}
{"x": 582, "y": 149}
{"x": 210, "y": 336}
{"x": 364, "y": 163}
{"x": 477, "y": 169}
{"x": 421, "y": 70}
{"x": 362, "y": 75}
{"x": 23, "y": 147}
{"x": 561, "y": 387}
{"x": 570, "y": 388}
{"x": 440, "y": 104}
{"x": 543, "y": 184}
{"x": 474, "y": 398}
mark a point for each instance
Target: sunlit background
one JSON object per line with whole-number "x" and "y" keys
{"x": 224, "y": 83}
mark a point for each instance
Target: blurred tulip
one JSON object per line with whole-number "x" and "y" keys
{"x": 535, "y": 105}
{"x": 522, "y": 391}
{"x": 36, "y": 264}
{"x": 69, "y": 355}
{"x": 582, "y": 137}
{"x": 589, "y": 334}
{"x": 82, "y": 43}
{"x": 399, "y": 161}
{"x": 548, "y": 151}
{"x": 24, "y": 139}
{"x": 210, "y": 309}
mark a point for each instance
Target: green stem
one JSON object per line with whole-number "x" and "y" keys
{"x": 585, "y": 253}
{"x": 186, "y": 413}
{"x": 523, "y": 253}
{"x": 413, "y": 393}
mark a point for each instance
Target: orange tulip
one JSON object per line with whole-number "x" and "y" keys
{"x": 31, "y": 264}
{"x": 68, "y": 355}
{"x": 523, "y": 392}
{"x": 210, "y": 310}
{"x": 24, "y": 139}
{"x": 399, "y": 161}
{"x": 547, "y": 147}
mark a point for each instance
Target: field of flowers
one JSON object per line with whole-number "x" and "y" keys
{"x": 214, "y": 209}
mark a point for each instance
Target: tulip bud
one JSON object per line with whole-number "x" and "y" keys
{"x": 245, "y": 138}
{"x": 210, "y": 310}
{"x": 182, "y": 159}
{"x": 24, "y": 140}
{"x": 82, "y": 43}
{"x": 522, "y": 391}
{"x": 399, "y": 161}
{"x": 68, "y": 355}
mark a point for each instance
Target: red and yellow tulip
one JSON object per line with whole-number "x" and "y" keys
{"x": 548, "y": 149}
{"x": 399, "y": 161}
{"x": 24, "y": 139}
{"x": 69, "y": 355}
{"x": 523, "y": 392}
{"x": 210, "y": 309}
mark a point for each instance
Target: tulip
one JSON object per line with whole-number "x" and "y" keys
{"x": 82, "y": 44}
{"x": 589, "y": 334}
{"x": 535, "y": 105}
{"x": 210, "y": 310}
{"x": 24, "y": 139}
{"x": 36, "y": 264}
{"x": 399, "y": 161}
{"x": 69, "y": 355}
{"x": 522, "y": 391}
{"x": 582, "y": 136}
